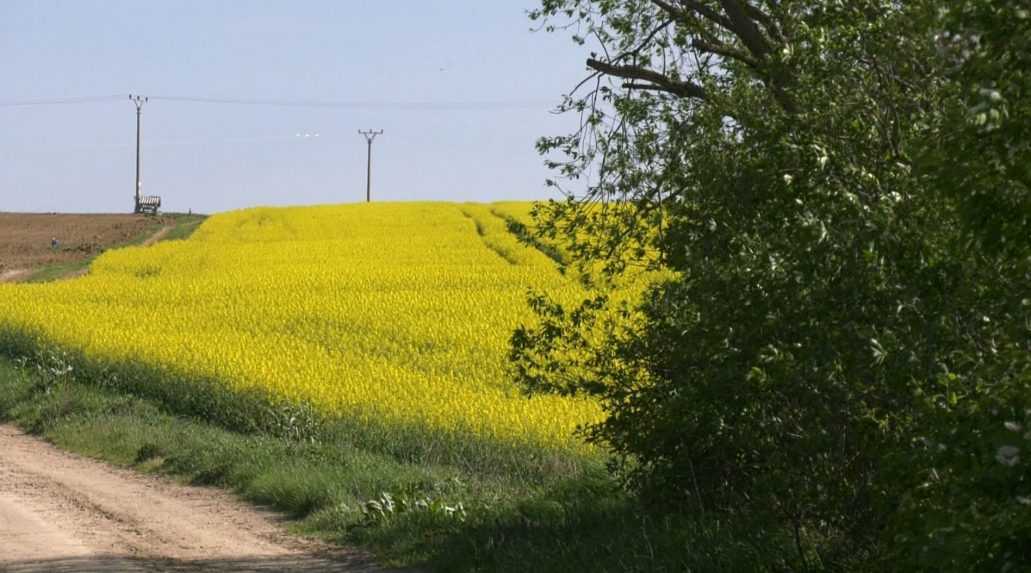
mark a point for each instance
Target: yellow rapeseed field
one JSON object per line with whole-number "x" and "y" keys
{"x": 399, "y": 313}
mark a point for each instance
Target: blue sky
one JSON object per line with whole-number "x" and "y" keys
{"x": 212, "y": 158}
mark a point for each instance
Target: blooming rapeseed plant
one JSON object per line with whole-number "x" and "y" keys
{"x": 400, "y": 313}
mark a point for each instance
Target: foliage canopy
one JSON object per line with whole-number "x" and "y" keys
{"x": 841, "y": 192}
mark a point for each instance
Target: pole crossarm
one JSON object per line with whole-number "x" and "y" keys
{"x": 370, "y": 134}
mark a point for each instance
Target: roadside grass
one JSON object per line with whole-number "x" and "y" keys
{"x": 444, "y": 516}
{"x": 444, "y": 502}
{"x": 185, "y": 225}
{"x": 254, "y": 411}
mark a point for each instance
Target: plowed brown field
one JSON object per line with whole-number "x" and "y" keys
{"x": 26, "y": 238}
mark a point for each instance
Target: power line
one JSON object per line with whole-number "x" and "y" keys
{"x": 366, "y": 105}
{"x": 483, "y": 105}
{"x": 60, "y": 101}
{"x": 64, "y": 146}
{"x": 370, "y": 135}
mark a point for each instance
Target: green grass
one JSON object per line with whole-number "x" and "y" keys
{"x": 185, "y": 225}
{"x": 57, "y": 271}
{"x": 256, "y": 412}
{"x": 446, "y": 517}
{"x": 453, "y": 504}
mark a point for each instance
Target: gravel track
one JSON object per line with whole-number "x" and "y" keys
{"x": 61, "y": 512}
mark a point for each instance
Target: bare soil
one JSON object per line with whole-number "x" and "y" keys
{"x": 26, "y": 238}
{"x": 60, "y": 512}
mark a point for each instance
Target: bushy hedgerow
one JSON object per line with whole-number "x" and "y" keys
{"x": 842, "y": 350}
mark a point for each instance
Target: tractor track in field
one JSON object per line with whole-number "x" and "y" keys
{"x": 157, "y": 236}
{"x": 61, "y": 512}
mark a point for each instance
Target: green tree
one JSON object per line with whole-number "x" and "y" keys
{"x": 971, "y": 509}
{"x": 786, "y": 160}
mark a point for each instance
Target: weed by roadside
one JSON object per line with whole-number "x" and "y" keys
{"x": 441, "y": 516}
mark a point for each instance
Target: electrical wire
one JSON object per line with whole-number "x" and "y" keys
{"x": 300, "y": 103}
{"x": 60, "y": 101}
{"x": 367, "y": 105}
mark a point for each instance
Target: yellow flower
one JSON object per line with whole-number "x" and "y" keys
{"x": 400, "y": 313}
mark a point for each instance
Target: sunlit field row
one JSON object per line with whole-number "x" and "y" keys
{"x": 383, "y": 314}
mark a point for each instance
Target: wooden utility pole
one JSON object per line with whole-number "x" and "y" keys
{"x": 139, "y": 101}
{"x": 370, "y": 136}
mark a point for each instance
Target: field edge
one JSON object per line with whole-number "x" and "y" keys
{"x": 406, "y": 514}
{"x": 183, "y": 226}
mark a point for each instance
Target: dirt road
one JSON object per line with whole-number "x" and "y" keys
{"x": 63, "y": 513}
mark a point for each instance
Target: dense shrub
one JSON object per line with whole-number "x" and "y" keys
{"x": 848, "y": 326}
